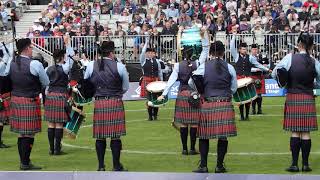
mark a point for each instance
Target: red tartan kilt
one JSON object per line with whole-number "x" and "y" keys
{"x": 4, "y": 114}
{"x": 184, "y": 113}
{"x": 109, "y": 118}
{"x": 217, "y": 120}
{"x": 25, "y": 115}
{"x": 145, "y": 81}
{"x": 55, "y": 105}
{"x": 300, "y": 114}
{"x": 261, "y": 90}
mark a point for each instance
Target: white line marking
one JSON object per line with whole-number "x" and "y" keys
{"x": 177, "y": 153}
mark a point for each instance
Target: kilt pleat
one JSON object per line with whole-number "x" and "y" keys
{"x": 300, "y": 114}
{"x": 145, "y": 81}
{"x": 4, "y": 114}
{"x": 54, "y": 109}
{"x": 109, "y": 118}
{"x": 25, "y": 115}
{"x": 217, "y": 120}
{"x": 184, "y": 113}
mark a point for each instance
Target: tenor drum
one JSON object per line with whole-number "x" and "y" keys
{"x": 155, "y": 89}
{"x": 190, "y": 38}
{"x": 72, "y": 127}
{"x": 246, "y": 91}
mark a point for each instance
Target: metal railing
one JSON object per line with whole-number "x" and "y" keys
{"x": 128, "y": 48}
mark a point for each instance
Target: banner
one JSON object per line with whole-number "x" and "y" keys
{"x": 272, "y": 88}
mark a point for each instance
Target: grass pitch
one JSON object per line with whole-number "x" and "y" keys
{"x": 260, "y": 147}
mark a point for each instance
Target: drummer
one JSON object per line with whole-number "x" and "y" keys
{"x": 4, "y": 71}
{"x": 152, "y": 71}
{"x": 111, "y": 81}
{"x": 244, "y": 62}
{"x": 217, "y": 113}
{"x": 55, "y": 105}
{"x": 184, "y": 113}
{"x": 258, "y": 75}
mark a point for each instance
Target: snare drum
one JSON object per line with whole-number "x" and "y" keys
{"x": 155, "y": 90}
{"x": 72, "y": 127}
{"x": 246, "y": 91}
{"x": 78, "y": 97}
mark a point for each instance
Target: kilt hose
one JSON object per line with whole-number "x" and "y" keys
{"x": 217, "y": 120}
{"x": 300, "y": 113}
{"x": 184, "y": 113}
{"x": 145, "y": 81}
{"x": 262, "y": 89}
{"x": 109, "y": 118}
{"x": 4, "y": 114}
{"x": 25, "y": 115}
{"x": 55, "y": 108}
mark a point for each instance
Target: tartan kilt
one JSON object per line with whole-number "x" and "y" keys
{"x": 184, "y": 113}
{"x": 25, "y": 115}
{"x": 55, "y": 108}
{"x": 217, "y": 120}
{"x": 261, "y": 90}
{"x": 145, "y": 81}
{"x": 300, "y": 114}
{"x": 109, "y": 118}
{"x": 4, "y": 114}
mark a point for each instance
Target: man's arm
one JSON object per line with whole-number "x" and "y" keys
{"x": 172, "y": 79}
{"x": 284, "y": 63}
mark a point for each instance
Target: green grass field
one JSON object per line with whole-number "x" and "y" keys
{"x": 260, "y": 147}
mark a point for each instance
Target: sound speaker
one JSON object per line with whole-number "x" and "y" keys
{"x": 135, "y": 71}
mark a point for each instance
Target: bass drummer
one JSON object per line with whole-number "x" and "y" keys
{"x": 185, "y": 115}
{"x": 244, "y": 63}
{"x": 152, "y": 71}
{"x": 56, "y": 112}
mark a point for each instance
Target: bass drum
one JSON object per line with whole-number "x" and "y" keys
{"x": 189, "y": 39}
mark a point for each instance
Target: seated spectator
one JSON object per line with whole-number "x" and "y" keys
{"x": 30, "y": 33}
{"x": 107, "y": 7}
{"x": 291, "y": 9}
{"x": 184, "y": 20}
{"x": 149, "y": 21}
{"x": 315, "y": 16}
{"x": 207, "y": 7}
{"x": 131, "y": 6}
{"x": 119, "y": 32}
{"x": 46, "y": 31}
{"x": 268, "y": 26}
{"x": 84, "y": 31}
{"x": 220, "y": 23}
{"x": 232, "y": 25}
{"x": 231, "y": 4}
{"x": 10, "y": 4}
{"x": 161, "y": 20}
{"x": 95, "y": 9}
{"x": 117, "y": 7}
{"x": 281, "y": 21}
{"x": 4, "y": 18}
{"x": 168, "y": 30}
{"x": 132, "y": 30}
{"x": 255, "y": 17}
{"x": 210, "y": 26}
{"x": 265, "y": 19}
{"x": 172, "y": 12}
{"x": 137, "y": 19}
{"x": 244, "y": 14}
{"x": 197, "y": 10}
{"x": 293, "y": 18}
{"x": 244, "y": 27}
{"x": 303, "y": 14}
{"x": 257, "y": 28}
{"x": 141, "y": 10}
{"x": 37, "y": 25}
{"x": 187, "y": 9}
{"x": 38, "y": 39}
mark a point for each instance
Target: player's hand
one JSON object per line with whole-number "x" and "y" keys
{"x": 160, "y": 98}
{"x": 270, "y": 71}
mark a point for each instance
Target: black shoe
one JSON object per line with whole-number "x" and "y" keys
{"x": 201, "y": 170}
{"x": 58, "y": 153}
{"x": 155, "y": 118}
{"x": 101, "y": 168}
{"x": 220, "y": 169}
{"x": 184, "y": 152}
{"x": 3, "y": 145}
{"x": 293, "y": 169}
{"x": 259, "y": 111}
{"x": 241, "y": 118}
{"x": 247, "y": 118}
{"x": 121, "y": 168}
{"x": 150, "y": 118}
{"x": 193, "y": 152}
{"x": 306, "y": 169}
{"x": 51, "y": 153}
{"x": 253, "y": 111}
{"x": 29, "y": 167}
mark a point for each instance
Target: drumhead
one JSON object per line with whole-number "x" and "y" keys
{"x": 156, "y": 86}
{"x": 244, "y": 82}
